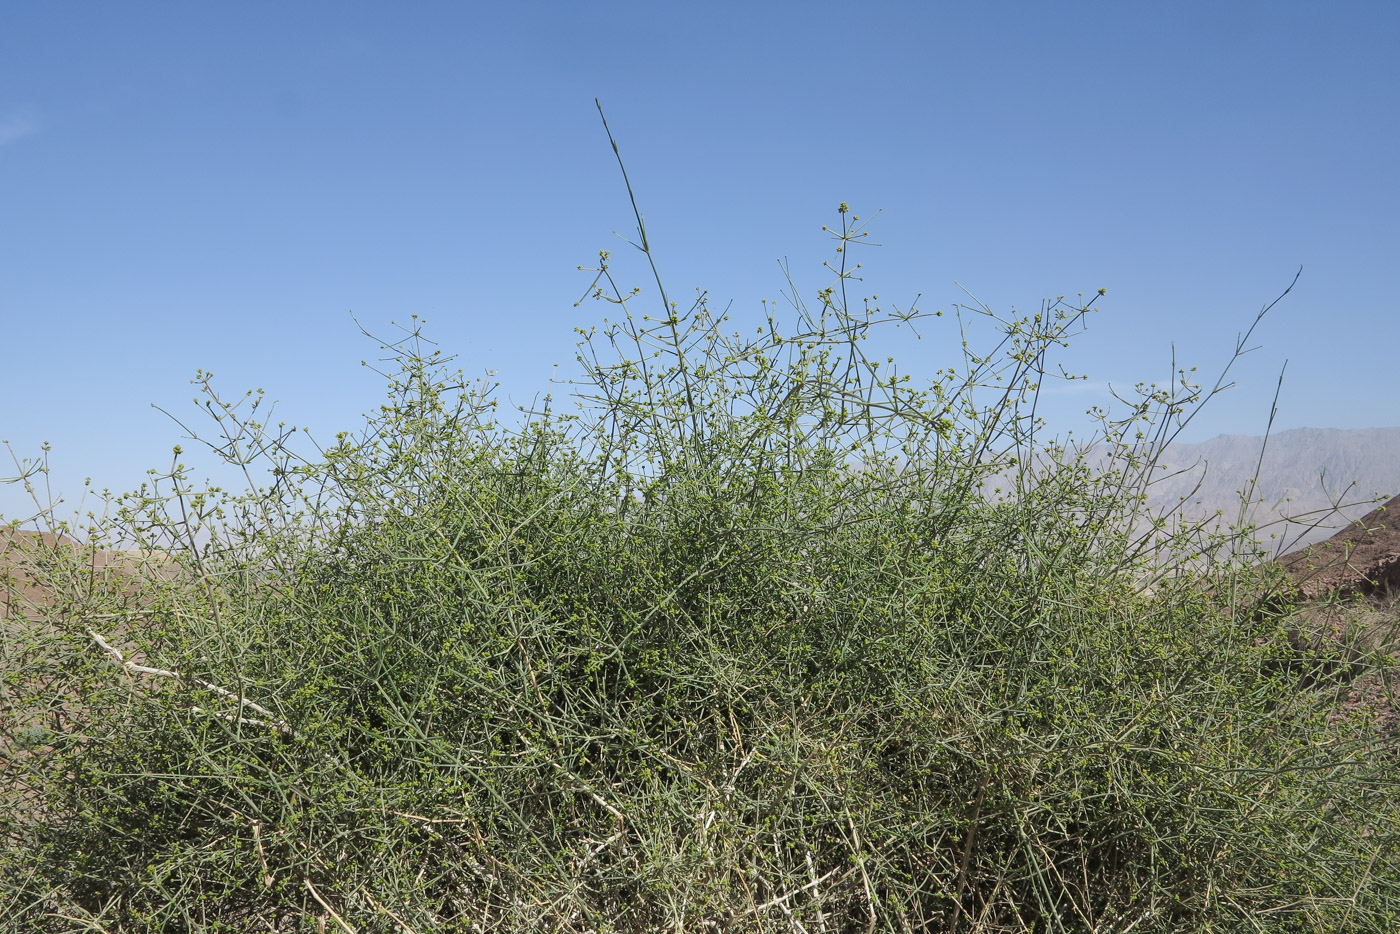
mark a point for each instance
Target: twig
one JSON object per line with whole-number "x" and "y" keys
{"x": 967, "y": 852}
{"x": 812, "y": 871}
{"x": 380, "y": 905}
{"x": 267, "y": 878}
{"x": 324, "y": 904}
{"x": 864, "y": 876}
{"x": 583, "y": 786}
{"x": 777, "y": 902}
{"x": 272, "y": 720}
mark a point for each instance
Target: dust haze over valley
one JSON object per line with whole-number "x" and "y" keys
{"x": 1319, "y": 478}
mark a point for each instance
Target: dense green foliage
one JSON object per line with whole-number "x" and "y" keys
{"x": 748, "y": 641}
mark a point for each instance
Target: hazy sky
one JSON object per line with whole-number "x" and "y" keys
{"x": 221, "y": 186}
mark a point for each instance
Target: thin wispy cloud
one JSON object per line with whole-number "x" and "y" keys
{"x": 15, "y": 127}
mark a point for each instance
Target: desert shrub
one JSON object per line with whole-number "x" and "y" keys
{"x": 762, "y": 636}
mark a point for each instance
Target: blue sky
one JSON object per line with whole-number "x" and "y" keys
{"x": 220, "y": 186}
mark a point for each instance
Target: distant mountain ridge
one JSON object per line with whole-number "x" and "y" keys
{"x": 1303, "y": 473}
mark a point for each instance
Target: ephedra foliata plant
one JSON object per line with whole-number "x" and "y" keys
{"x": 745, "y": 641}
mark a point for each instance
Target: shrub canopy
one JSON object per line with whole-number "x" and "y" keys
{"x": 762, "y": 635}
